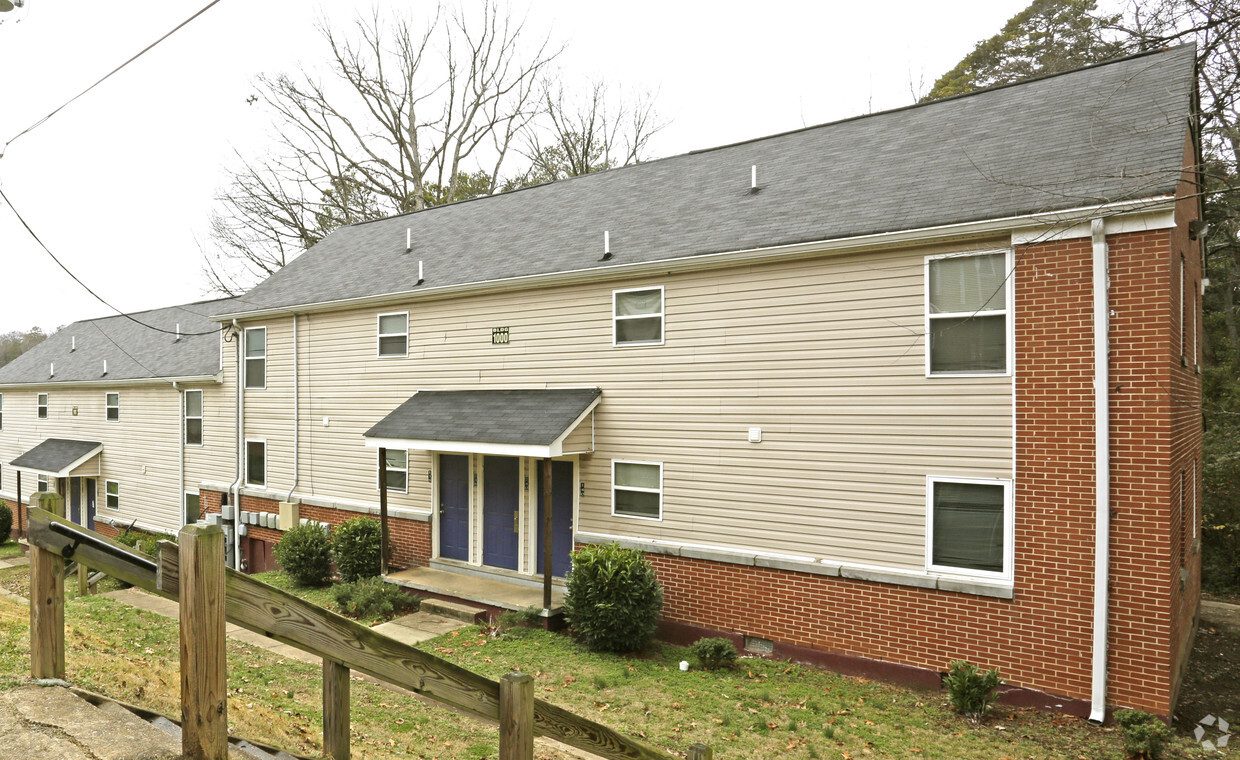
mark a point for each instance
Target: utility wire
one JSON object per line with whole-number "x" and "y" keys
{"x": 108, "y": 75}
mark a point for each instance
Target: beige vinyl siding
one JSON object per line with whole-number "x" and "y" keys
{"x": 826, "y": 355}
{"x": 581, "y": 439}
{"x": 216, "y": 460}
{"x": 145, "y": 436}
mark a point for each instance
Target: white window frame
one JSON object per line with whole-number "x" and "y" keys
{"x": 1183, "y": 315}
{"x": 185, "y": 505}
{"x": 659, "y": 490}
{"x": 246, "y": 456}
{"x": 107, "y": 496}
{"x": 246, "y": 359}
{"x": 1193, "y": 492}
{"x": 662, "y": 315}
{"x": 109, "y": 407}
{"x": 1009, "y": 312}
{"x": 42, "y": 484}
{"x": 40, "y": 405}
{"x": 202, "y": 433}
{"x": 379, "y": 483}
{"x": 1, "y": 411}
{"x": 380, "y": 335}
{"x": 1009, "y": 530}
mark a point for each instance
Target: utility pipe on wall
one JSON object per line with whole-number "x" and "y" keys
{"x": 235, "y": 488}
{"x": 296, "y": 419}
{"x": 1102, "y": 471}
{"x": 180, "y": 447}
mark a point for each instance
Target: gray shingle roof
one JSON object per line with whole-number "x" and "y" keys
{"x": 525, "y": 417}
{"x": 1110, "y": 132}
{"x": 133, "y": 352}
{"x": 55, "y": 454}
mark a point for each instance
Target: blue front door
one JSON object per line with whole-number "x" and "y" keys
{"x": 90, "y": 503}
{"x": 454, "y": 506}
{"x": 561, "y": 517}
{"x": 500, "y": 511}
{"x": 75, "y": 500}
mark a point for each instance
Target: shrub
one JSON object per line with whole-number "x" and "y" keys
{"x": 355, "y": 547}
{"x": 971, "y": 691}
{"x": 6, "y": 522}
{"x": 305, "y": 554}
{"x": 613, "y": 598}
{"x": 146, "y": 543}
{"x": 1143, "y": 733}
{"x": 372, "y": 597}
{"x": 714, "y": 653}
{"x": 530, "y": 616}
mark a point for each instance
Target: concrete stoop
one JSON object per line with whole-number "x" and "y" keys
{"x": 466, "y": 613}
{"x": 55, "y": 721}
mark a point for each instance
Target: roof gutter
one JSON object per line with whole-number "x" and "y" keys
{"x": 1102, "y": 472}
{"x": 217, "y": 378}
{"x": 1005, "y": 225}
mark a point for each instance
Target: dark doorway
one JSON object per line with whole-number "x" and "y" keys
{"x": 454, "y": 506}
{"x": 500, "y": 511}
{"x": 561, "y": 517}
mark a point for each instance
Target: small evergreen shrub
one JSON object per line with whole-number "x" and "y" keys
{"x": 6, "y": 522}
{"x": 305, "y": 554}
{"x": 613, "y": 599}
{"x": 356, "y": 549}
{"x": 146, "y": 543}
{"x": 714, "y": 653}
{"x": 971, "y": 691}
{"x": 1144, "y": 734}
{"x": 530, "y": 617}
{"x": 372, "y": 597}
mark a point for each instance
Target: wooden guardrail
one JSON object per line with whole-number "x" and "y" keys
{"x": 343, "y": 644}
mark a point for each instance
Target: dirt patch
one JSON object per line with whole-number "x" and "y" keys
{"x": 1212, "y": 679}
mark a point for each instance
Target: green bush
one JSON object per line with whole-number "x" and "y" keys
{"x": 613, "y": 599}
{"x": 356, "y": 549}
{"x": 147, "y": 543}
{"x": 529, "y": 616}
{"x": 6, "y": 522}
{"x": 714, "y": 653}
{"x": 971, "y": 691}
{"x": 372, "y": 597}
{"x": 1144, "y": 734}
{"x": 305, "y": 553}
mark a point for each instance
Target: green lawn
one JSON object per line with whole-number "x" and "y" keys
{"x": 10, "y": 549}
{"x": 323, "y": 596}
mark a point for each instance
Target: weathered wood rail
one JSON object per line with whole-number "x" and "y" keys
{"x": 343, "y": 644}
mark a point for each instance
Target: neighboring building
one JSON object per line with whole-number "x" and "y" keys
{"x": 120, "y": 419}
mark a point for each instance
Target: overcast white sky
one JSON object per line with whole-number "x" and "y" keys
{"x": 120, "y": 183}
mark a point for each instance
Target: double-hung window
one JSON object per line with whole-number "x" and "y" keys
{"x": 394, "y": 334}
{"x": 967, "y": 314}
{"x": 256, "y": 357}
{"x": 637, "y": 317}
{"x": 112, "y": 406}
{"x": 42, "y": 486}
{"x": 969, "y": 523}
{"x": 112, "y": 494}
{"x": 255, "y": 463}
{"x": 41, "y": 406}
{"x": 637, "y": 489}
{"x": 1, "y": 411}
{"x": 397, "y": 470}
{"x": 193, "y": 418}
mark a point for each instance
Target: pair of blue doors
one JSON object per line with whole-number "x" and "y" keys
{"x": 501, "y": 526}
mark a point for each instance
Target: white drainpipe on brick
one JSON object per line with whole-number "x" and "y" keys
{"x": 1102, "y": 471}
{"x": 296, "y": 419}
{"x": 235, "y": 488}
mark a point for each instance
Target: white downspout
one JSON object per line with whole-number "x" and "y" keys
{"x": 181, "y": 447}
{"x": 296, "y": 419}
{"x": 1102, "y": 471}
{"x": 235, "y": 488}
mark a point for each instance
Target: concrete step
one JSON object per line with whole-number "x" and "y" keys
{"x": 455, "y": 610}
{"x": 53, "y": 722}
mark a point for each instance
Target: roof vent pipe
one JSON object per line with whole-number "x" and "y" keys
{"x": 178, "y": 338}
{"x": 408, "y": 239}
{"x": 606, "y": 245}
{"x": 73, "y": 344}
{"x": 51, "y": 369}
{"x": 420, "y": 280}
{"x": 753, "y": 179}
{"x": 105, "y": 366}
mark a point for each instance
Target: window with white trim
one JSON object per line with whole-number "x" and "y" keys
{"x": 637, "y": 489}
{"x": 967, "y": 314}
{"x": 1183, "y": 314}
{"x": 43, "y": 484}
{"x": 394, "y": 334}
{"x": 111, "y": 494}
{"x": 397, "y": 470}
{"x": 41, "y": 406}
{"x": 255, "y": 463}
{"x": 1, "y": 411}
{"x": 112, "y": 406}
{"x": 637, "y": 317}
{"x": 1193, "y": 496}
{"x": 969, "y": 526}
{"x": 192, "y": 511}
{"x": 256, "y": 357}
{"x": 193, "y": 418}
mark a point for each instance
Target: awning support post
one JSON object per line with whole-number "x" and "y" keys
{"x": 383, "y": 517}
{"x": 546, "y": 529}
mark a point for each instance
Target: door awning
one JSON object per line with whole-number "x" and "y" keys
{"x": 542, "y": 422}
{"x": 57, "y": 457}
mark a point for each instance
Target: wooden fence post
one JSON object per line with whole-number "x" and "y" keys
{"x": 699, "y": 752}
{"x": 83, "y": 580}
{"x": 204, "y": 691}
{"x": 516, "y": 717}
{"x": 335, "y": 710}
{"x": 47, "y": 600}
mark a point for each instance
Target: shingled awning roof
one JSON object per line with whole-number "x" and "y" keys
{"x": 525, "y": 422}
{"x": 57, "y": 457}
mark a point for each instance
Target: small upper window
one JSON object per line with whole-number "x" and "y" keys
{"x": 637, "y": 489}
{"x": 256, "y": 357}
{"x": 193, "y": 418}
{"x": 397, "y": 470}
{"x": 394, "y": 334}
{"x": 112, "y": 494}
{"x": 112, "y": 402}
{"x": 966, "y": 315}
{"x": 637, "y": 317}
{"x": 256, "y": 463}
{"x": 969, "y": 526}
{"x": 41, "y": 405}
{"x": 42, "y": 486}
